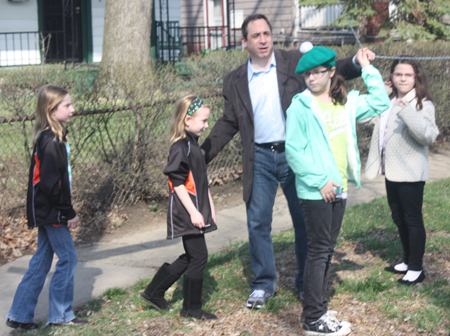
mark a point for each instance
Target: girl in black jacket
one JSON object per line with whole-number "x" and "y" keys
{"x": 49, "y": 208}
{"x": 191, "y": 210}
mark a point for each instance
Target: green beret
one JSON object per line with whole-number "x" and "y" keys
{"x": 315, "y": 57}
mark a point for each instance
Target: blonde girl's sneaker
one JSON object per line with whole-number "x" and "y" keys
{"x": 325, "y": 326}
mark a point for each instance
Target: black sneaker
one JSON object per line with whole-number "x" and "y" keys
{"x": 24, "y": 326}
{"x": 325, "y": 326}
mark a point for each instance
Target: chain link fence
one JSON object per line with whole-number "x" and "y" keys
{"x": 118, "y": 136}
{"x": 119, "y": 146}
{"x": 117, "y": 156}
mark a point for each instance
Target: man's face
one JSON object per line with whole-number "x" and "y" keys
{"x": 259, "y": 39}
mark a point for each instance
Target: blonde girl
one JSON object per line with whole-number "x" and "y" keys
{"x": 322, "y": 151}
{"x": 49, "y": 208}
{"x": 191, "y": 210}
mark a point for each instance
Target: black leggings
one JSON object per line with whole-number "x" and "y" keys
{"x": 405, "y": 200}
{"x": 195, "y": 258}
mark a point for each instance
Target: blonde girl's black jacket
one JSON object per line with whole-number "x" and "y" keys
{"x": 48, "y": 198}
{"x": 186, "y": 166}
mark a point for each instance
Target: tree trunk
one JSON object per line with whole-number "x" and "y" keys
{"x": 362, "y": 28}
{"x": 126, "y": 36}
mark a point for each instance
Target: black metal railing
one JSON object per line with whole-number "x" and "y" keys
{"x": 174, "y": 41}
{"x": 25, "y": 48}
{"x": 168, "y": 41}
{"x": 19, "y": 48}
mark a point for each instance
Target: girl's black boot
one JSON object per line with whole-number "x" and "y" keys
{"x": 192, "y": 300}
{"x": 154, "y": 293}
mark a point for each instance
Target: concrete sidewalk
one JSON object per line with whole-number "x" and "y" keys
{"x": 121, "y": 262}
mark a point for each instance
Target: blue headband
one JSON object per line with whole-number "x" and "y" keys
{"x": 195, "y": 105}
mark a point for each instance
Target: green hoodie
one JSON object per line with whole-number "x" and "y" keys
{"x": 307, "y": 145}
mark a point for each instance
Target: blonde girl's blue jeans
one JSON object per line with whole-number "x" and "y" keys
{"x": 51, "y": 239}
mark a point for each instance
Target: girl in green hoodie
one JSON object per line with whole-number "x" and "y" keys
{"x": 321, "y": 149}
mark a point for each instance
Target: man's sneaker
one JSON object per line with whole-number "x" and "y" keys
{"x": 257, "y": 299}
{"x": 325, "y": 326}
{"x": 332, "y": 315}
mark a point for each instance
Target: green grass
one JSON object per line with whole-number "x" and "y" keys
{"x": 367, "y": 227}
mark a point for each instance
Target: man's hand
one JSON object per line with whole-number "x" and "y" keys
{"x": 73, "y": 223}
{"x": 328, "y": 193}
{"x": 362, "y": 57}
{"x": 369, "y": 54}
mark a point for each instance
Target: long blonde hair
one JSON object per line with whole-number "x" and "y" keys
{"x": 177, "y": 131}
{"x": 48, "y": 99}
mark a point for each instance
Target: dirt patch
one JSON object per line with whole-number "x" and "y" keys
{"x": 149, "y": 215}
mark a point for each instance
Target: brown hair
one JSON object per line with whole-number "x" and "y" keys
{"x": 421, "y": 83}
{"x": 252, "y": 18}
{"x": 338, "y": 89}
{"x": 48, "y": 99}
{"x": 177, "y": 131}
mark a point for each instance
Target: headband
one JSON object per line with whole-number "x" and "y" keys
{"x": 195, "y": 105}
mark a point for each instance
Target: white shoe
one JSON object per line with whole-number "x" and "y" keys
{"x": 257, "y": 299}
{"x": 332, "y": 315}
{"x": 401, "y": 267}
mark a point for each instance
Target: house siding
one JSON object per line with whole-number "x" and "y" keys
{"x": 192, "y": 13}
{"x": 311, "y": 17}
{"x": 98, "y": 22}
{"x": 281, "y": 13}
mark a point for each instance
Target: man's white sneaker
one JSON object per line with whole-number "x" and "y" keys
{"x": 257, "y": 299}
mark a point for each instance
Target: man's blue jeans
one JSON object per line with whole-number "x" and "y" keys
{"x": 51, "y": 239}
{"x": 271, "y": 168}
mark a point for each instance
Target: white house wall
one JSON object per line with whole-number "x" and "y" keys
{"x": 281, "y": 13}
{"x": 314, "y": 18}
{"x": 98, "y": 22}
{"x": 19, "y": 49}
